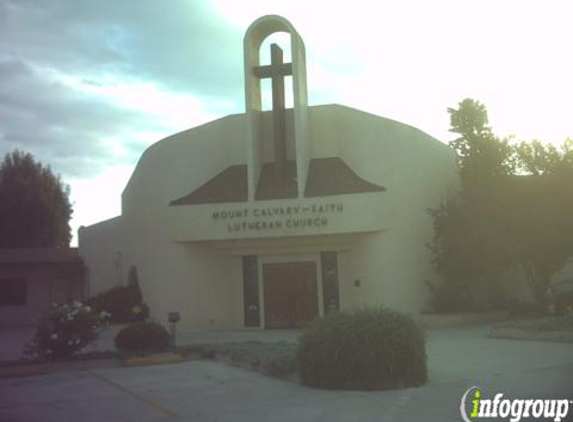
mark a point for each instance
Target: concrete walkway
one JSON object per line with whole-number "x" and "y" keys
{"x": 213, "y": 391}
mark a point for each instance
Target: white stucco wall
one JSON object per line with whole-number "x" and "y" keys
{"x": 189, "y": 262}
{"x": 100, "y": 247}
{"x": 182, "y": 162}
{"x": 418, "y": 172}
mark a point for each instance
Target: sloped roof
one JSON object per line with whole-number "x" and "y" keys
{"x": 228, "y": 186}
{"x": 327, "y": 176}
{"x": 39, "y": 255}
{"x": 332, "y": 176}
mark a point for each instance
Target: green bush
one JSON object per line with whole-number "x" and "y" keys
{"x": 142, "y": 336}
{"x": 124, "y": 303}
{"x": 362, "y": 349}
{"x": 449, "y": 297}
{"x": 64, "y": 330}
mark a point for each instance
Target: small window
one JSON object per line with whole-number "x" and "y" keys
{"x": 12, "y": 291}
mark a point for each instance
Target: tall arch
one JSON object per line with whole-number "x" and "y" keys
{"x": 254, "y": 37}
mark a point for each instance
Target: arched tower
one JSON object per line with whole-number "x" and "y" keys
{"x": 277, "y": 70}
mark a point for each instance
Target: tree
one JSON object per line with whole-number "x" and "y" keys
{"x": 482, "y": 157}
{"x": 514, "y": 209}
{"x": 539, "y": 210}
{"x": 467, "y": 249}
{"x": 536, "y": 158}
{"x": 35, "y": 209}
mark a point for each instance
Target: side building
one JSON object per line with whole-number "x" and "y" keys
{"x": 31, "y": 279}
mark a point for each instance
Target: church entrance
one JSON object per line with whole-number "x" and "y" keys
{"x": 291, "y": 294}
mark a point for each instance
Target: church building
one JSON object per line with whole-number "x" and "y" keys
{"x": 267, "y": 219}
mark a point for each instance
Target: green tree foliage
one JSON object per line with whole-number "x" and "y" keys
{"x": 35, "y": 209}
{"x": 539, "y": 209}
{"x": 513, "y": 210}
{"x": 483, "y": 158}
{"x": 467, "y": 249}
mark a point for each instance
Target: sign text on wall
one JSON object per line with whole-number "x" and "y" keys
{"x": 277, "y": 217}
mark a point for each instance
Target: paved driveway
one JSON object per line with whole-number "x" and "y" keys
{"x": 212, "y": 391}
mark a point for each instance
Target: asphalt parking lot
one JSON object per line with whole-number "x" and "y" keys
{"x": 212, "y": 391}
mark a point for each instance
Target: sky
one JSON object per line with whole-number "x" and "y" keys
{"x": 87, "y": 86}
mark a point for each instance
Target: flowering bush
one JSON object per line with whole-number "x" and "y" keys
{"x": 64, "y": 330}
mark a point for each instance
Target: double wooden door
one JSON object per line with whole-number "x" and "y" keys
{"x": 290, "y": 293}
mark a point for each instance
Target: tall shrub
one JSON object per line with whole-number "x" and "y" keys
{"x": 124, "y": 303}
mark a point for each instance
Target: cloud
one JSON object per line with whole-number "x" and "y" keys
{"x": 41, "y": 114}
{"x": 87, "y": 86}
{"x": 82, "y": 80}
{"x": 180, "y": 43}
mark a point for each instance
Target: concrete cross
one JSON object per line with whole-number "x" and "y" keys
{"x": 277, "y": 70}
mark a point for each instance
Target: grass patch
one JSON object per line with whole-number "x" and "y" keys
{"x": 550, "y": 323}
{"x": 274, "y": 359}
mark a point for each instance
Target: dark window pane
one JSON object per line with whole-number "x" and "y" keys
{"x": 12, "y": 291}
{"x": 329, "y": 262}
{"x": 251, "y": 290}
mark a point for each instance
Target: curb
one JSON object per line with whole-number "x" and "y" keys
{"x": 19, "y": 371}
{"x": 517, "y": 334}
{"x": 157, "y": 359}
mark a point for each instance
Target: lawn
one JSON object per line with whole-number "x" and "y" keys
{"x": 549, "y": 323}
{"x": 274, "y": 359}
